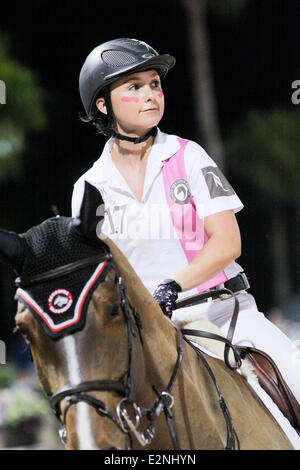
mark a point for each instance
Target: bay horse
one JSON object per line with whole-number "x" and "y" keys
{"x": 118, "y": 373}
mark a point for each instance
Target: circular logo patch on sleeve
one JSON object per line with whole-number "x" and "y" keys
{"x": 60, "y": 301}
{"x": 180, "y": 191}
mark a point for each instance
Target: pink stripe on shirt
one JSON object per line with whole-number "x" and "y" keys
{"x": 186, "y": 221}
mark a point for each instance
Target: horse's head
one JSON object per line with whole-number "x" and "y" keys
{"x": 74, "y": 314}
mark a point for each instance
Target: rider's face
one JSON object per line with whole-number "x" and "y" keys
{"x": 137, "y": 102}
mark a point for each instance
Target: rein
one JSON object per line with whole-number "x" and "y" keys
{"x": 125, "y": 386}
{"x": 231, "y": 434}
{"x": 205, "y": 334}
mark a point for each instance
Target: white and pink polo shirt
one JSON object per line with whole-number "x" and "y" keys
{"x": 163, "y": 233}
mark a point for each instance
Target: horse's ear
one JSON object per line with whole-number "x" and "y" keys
{"x": 12, "y": 249}
{"x": 91, "y": 214}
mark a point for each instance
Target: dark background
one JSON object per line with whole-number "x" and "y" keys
{"x": 254, "y": 58}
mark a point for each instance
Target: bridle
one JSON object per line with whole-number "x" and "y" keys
{"x": 125, "y": 386}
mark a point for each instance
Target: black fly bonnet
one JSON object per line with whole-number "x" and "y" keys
{"x": 55, "y": 292}
{"x": 59, "y": 303}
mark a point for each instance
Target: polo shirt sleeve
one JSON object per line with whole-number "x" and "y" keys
{"x": 209, "y": 188}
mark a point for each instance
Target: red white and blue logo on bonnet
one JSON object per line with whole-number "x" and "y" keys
{"x": 60, "y": 301}
{"x": 60, "y": 310}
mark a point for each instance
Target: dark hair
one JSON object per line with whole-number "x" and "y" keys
{"x": 101, "y": 121}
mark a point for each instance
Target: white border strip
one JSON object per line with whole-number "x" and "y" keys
{"x": 77, "y": 311}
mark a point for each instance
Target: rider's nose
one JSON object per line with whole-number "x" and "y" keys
{"x": 149, "y": 94}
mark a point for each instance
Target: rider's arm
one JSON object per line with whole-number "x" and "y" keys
{"x": 223, "y": 247}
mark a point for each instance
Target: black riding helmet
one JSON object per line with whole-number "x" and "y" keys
{"x": 106, "y": 63}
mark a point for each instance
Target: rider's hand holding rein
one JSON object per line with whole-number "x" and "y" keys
{"x": 166, "y": 295}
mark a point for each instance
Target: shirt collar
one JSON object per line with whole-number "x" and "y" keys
{"x": 164, "y": 147}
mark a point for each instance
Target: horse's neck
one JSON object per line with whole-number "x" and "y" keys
{"x": 159, "y": 335}
{"x": 160, "y": 352}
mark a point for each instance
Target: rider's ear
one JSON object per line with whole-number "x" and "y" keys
{"x": 101, "y": 105}
{"x": 91, "y": 216}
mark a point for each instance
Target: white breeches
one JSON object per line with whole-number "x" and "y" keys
{"x": 252, "y": 329}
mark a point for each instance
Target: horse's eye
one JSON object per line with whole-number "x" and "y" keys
{"x": 112, "y": 311}
{"x": 23, "y": 331}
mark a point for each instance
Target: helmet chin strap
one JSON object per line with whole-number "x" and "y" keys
{"x": 110, "y": 132}
{"x": 135, "y": 140}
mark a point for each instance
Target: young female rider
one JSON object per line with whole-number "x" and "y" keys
{"x": 167, "y": 205}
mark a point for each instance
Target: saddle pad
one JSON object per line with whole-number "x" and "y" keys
{"x": 271, "y": 380}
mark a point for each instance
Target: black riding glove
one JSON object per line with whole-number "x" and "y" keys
{"x": 166, "y": 295}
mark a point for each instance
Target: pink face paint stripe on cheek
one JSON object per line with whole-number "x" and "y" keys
{"x": 130, "y": 99}
{"x": 160, "y": 94}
